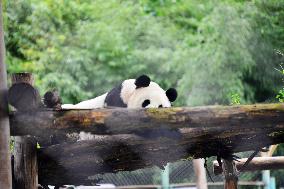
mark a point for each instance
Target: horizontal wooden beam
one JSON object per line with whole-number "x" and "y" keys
{"x": 220, "y": 119}
{"x": 257, "y": 164}
{"x": 130, "y": 139}
{"x": 74, "y": 163}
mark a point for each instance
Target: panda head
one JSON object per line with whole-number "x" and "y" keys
{"x": 143, "y": 93}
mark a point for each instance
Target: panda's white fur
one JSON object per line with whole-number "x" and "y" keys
{"x": 153, "y": 92}
{"x": 130, "y": 94}
{"x": 128, "y": 87}
{"x": 97, "y": 102}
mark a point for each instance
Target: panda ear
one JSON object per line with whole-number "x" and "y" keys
{"x": 142, "y": 81}
{"x": 171, "y": 94}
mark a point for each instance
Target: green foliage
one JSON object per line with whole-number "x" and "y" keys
{"x": 12, "y": 143}
{"x": 205, "y": 49}
{"x": 280, "y": 95}
{"x": 38, "y": 145}
{"x": 235, "y": 99}
{"x": 87, "y": 55}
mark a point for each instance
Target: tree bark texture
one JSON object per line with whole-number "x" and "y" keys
{"x": 5, "y": 161}
{"x": 130, "y": 139}
{"x": 25, "y": 163}
{"x": 230, "y": 174}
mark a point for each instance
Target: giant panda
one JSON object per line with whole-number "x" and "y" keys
{"x": 131, "y": 93}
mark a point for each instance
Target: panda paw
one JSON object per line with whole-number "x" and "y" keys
{"x": 68, "y": 106}
{"x": 52, "y": 99}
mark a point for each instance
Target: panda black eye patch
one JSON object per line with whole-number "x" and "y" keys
{"x": 145, "y": 103}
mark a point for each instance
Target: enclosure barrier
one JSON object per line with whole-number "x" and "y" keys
{"x": 129, "y": 139}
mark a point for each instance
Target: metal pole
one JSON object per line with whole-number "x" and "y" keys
{"x": 266, "y": 178}
{"x": 272, "y": 183}
{"x": 166, "y": 177}
{"x": 5, "y": 157}
{"x": 266, "y": 173}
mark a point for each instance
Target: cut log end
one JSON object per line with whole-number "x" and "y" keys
{"x": 23, "y": 77}
{"x": 24, "y": 97}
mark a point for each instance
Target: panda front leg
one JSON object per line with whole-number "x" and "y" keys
{"x": 97, "y": 102}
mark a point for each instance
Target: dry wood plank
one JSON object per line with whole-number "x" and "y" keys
{"x": 257, "y": 164}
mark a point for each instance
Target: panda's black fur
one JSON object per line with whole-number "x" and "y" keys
{"x": 114, "y": 99}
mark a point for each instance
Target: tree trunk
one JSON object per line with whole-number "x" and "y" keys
{"x": 230, "y": 173}
{"x": 5, "y": 161}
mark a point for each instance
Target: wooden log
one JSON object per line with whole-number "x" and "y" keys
{"x": 5, "y": 162}
{"x": 220, "y": 119}
{"x": 200, "y": 174}
{"x": 257, "y": 164}
{"x": 205, "y": 122}
{"x": 25, "y": 163}
{"x": 23, "y": 77}
{"x": 146, "y": 137}
{"x": 22, "y": 95}
{"x": 74, "y": 162}
{"x": 230, "y": 173}
{"x": 25, "y": 158}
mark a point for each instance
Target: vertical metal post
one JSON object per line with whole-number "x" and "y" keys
{"x": 200, "y": 174}
{"x": 165, "y": 175}
{"x": 266, "y": 173}
{"x": 5, "y": 157}
{"x": 272, "y": 183}
{"x": 266, "y": 178}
